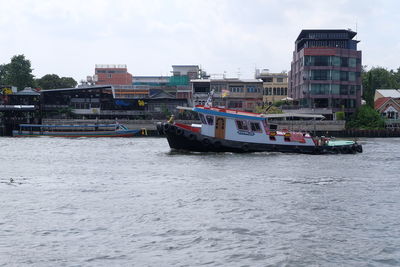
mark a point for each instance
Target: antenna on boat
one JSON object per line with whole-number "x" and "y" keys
{"x": 209, "y": 99}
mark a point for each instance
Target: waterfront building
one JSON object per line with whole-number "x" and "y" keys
{"x": 111, "y": 74}
{"x": 275, "y": 85}
{"x": 241, "y": 94}
{"x": 325, "y": 71}
{"x": 106, "y": 102}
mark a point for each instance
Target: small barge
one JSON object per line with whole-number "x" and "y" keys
{"x": 227, "y": 130}
{"x": 94, "y": 130}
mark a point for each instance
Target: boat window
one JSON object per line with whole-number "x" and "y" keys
{"x": 242, "y": 125}
{"x": 255, "y": 127}
{"x": 273, "y": 126}
{"x": 202, "y": 118}
{"x": 210, "y": 119}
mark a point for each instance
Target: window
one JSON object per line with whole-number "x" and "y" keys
{"x": 279, "y": 80}
{"x": 320, "y": 89}
{"x": 344, "y": 76}
{"x": 343, "y": 89}
{"x": 335, "y": 75}
{"x": 242, "y": 125}
{"x": 236, "y": 89}
{"x": 352, "y": 89}
{"x": 335, "y": 89}
{"x": 202, "y": 118}
{"x": 352, "y": 76}
{"x": 255, "y": 127}
{"x": 320, "y": 75}
{"x": 344, "y": 62}
{"x": 335, "y": 61}
{"x": 210, "y": 120}
{"x": 321, "y": 61}
{"x": 352, "y": 62}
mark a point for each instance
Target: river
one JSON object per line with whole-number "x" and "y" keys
{"x": 133, "y": 202}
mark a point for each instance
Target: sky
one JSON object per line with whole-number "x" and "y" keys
{"x": 69, "y": 38}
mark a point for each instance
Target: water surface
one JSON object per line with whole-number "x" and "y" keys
{"x": 132, "y": 202}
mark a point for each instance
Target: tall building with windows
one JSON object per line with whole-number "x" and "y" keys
{"x": 325, "y": 71}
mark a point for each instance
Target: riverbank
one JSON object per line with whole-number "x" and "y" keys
{"x": 318, "y": 128}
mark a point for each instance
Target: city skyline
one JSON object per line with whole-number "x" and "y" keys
{"x": 220, "y": 36}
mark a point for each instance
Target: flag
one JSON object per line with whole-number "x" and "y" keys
{"x": 225, "y": 93}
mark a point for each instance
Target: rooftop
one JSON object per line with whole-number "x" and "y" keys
{"x": 304, "y": 33}
{"x": 394, "y": 93}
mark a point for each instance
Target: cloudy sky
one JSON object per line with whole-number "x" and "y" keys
{"x": 234, "y": 36}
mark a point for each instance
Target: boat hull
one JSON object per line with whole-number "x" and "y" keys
{"x": 183, "y": 139}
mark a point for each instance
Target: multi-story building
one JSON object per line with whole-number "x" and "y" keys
{"x": 325, "y": 71}
{"x": 112, "y": 75}
{"x": 275, "y": 85}
{"x": 232, "y": 93}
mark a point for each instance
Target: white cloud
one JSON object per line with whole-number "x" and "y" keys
{"x": 69, "y": 38}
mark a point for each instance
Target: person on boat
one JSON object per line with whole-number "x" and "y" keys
{"x": 171, "y": 119}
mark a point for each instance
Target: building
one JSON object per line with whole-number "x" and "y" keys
{"x": 275, "y": 85}
{"x": 325, "y": 71}
{"x": 232, "y": 93}
{"x": 112, "y": 75}
{"x": 391, "y": 93}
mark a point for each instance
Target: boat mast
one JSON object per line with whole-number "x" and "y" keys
{"x": 209, "y": 99}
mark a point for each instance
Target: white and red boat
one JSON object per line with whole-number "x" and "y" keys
{"x": 227, "y": 130}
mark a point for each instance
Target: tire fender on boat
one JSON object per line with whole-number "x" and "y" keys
{"x": 166, "y": 127}
{"x": 245, "y": 147}
{"x": 206, "y": 141}
{"x": 217, "y": 144}
{"x": 359, "y": 148}
{"x": 178, "y": 131}
{"x": 192, "y": 137}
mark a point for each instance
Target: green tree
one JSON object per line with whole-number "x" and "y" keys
{"x": 2, "y": 73}
{"x": 68, "y": 82}
{"x": 366, "y": 117}
{"x": 53, "y": 81}
{"x": 378, "y": 78}
{"x": 18, "y": 73}
{"x": 268, "y": 110}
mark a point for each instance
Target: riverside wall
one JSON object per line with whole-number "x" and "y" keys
{"x": 325, "y": 128}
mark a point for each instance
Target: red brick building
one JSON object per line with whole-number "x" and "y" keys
{"x": 112, "y": 75}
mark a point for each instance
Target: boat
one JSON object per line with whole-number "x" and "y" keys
{"x": 93, "y": 130}
{"x": 229, "y": 130}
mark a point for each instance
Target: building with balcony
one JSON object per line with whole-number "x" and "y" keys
{"x": 275, "y": 85}
{"x": 232, "y": 93}
{"x": 325, "y": 71}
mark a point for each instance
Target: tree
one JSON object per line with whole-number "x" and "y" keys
{"x": 378, "y": 78}
{"x": 17, "y": 73}
{"x": 268, "y": 110}
{"x": 68, "y": 82}
{"x": 53, "y": 81}
{"x": 366, "y": 117}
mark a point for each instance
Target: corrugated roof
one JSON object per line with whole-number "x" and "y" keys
{"x": 394, "y": 93}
